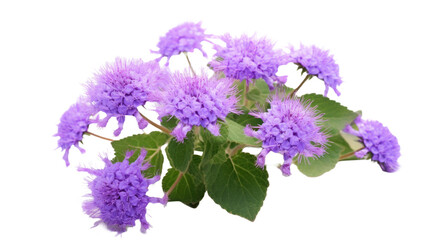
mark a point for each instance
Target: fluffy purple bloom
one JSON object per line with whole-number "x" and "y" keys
{"x": 318, "y": 62}
{"x": 183, "y": 38}
{"x": 378, "y": 141}
{"x": 118, "y": 194}
{"x": 73, "y": 124}
{"x": 249, "y": 58}
{"x": 290, "y": 127}
{"x": 120, "y": 87}
{"x": 197, "y": 101}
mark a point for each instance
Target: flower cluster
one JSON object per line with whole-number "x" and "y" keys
{"x": 197, "y": 101}
{"x": 183, "y": 38}
{"x": 118, "y": 194}
{"x": 119, "y": 88}
{"x": 290, "y": 127}
{"x": 73, "y": 124}
{"x": 378, "y": 141}
{"x": 249, "y": 58}
{"x": 318, "y": 62}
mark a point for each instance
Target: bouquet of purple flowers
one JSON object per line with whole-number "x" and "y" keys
{"x": 238, "y": 102}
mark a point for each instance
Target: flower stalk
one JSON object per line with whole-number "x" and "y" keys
{"x": 179, "y": 177}
{"x": 345, "y": 156}
{"x": 235, "y": 150}
{"x": 189, "y": 63}
{"x": 162, "y": 128}
{"x": 96, "y": 135}
{"x": 245, "y": 95}
{"x": 292, "y": 94}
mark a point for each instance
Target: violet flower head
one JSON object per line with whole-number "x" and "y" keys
{"x": 73, "y": 124}
{"x": 378, "y": 141}
{"x": 290, "y": 127}
{"x": 197, "y": 101}
{"x": 120, "y": 87}
{"x": 183, "y": 38}
{"x": 118, "y": 194}
{"x": 249, "y": 58}
{"x": 318, "y": 62}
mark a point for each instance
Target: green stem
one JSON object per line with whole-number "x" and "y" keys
{"x": 96, "y": 135}
{"x": 197, "y": 130}
{"x": 300, "y": 85}
{"x": 246, "y": 90}
{"x": 190, "y": 65}
{"x": 345, "y": 156}
{"x": 162, "y": 128}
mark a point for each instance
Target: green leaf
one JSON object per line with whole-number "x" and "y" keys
{"x": 169, "y": 122}
{"x": 348, "y": 142}
{"x": 180, "y": 154}
{"x": 336, "y": 115}
{"x": 190, "y": 189}
{"x": 351, "y": 143}
{"x": 339, "y": 140}
{"x": 258, "y": 92}
{"x": 285, "y": 89}
{"x": 214, "y": 148}
{"x": 236, "y": 134}
{"x": 237, "y": 185}
{"x": 194, "y": 168}
{"x": 244, "y": 119}
{"x": 152, "y": 142}
{"x": 254, "y": 94}
{"x": 318, "y": 166}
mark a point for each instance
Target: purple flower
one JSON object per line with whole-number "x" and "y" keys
{"x": 290, "y": 127}
{"x": 249, "y": 58}
{"x": 118, "y": 194}
{"x": 378, "y": 141}
{"x": 197, "y": 101}
{"x": 318, "y": 63}
{"x": 120, "y": 87}
{"x": 73, "y": 124}
{"x": 183, "y": 38}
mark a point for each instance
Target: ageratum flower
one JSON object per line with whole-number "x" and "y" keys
{"x": 183, "y": 38}
{"x": 249, "y": 58}
{"x": 290, "y": 127}
{"x": 378, "y": 141}
{"x": 120, "y": 87}
{"x": 197, "y": 101}
{"x": 118, "y": 194}
{"x": 73, "y": 124}
{"x": 318, "y": 62}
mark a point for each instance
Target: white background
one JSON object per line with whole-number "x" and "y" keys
{"x": 49, "y": 49}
